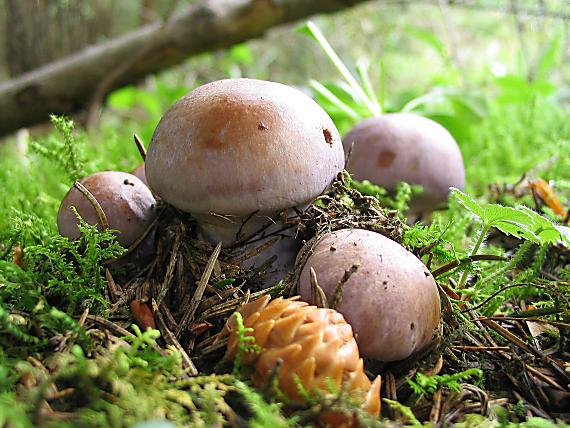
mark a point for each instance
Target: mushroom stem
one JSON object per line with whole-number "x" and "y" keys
{"x": 227, "y": 229}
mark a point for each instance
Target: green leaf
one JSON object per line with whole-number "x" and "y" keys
{"x": 516, "y": 89}
{"x": 241, "y": 53}
{"x": 564, "y": 232}
{"x": 522, "y": 222}
{"x": 429, "y": 38}
{"x": 468, "y": 202}
{"x": 495, "y": 213}
{"x": 123, "y": 98}
{"x": 310, "y": 29}
{"x": 367, "y": 188}
{"x": 547, "y": 231}
{"x": 516, "y": 229}
{"x": 323, "y": 93}
{"x": 362, "y": 70}
{"x": 455, "y": 125}
{"x": 549, "y": 58}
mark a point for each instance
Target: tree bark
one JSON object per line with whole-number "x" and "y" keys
{"x": 66, "y": 86}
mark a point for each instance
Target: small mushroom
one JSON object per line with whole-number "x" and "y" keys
{"x": 389, "y": 298}
{"x": 234, "y": 152}
{"x": 127, "y": 203}
{"x": 139, "y": 172}
{"x": 392, "y": 148}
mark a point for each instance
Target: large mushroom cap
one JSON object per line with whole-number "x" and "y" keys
{"x": 391, "y": 300}
{"x": 399, "y": 147}
{"x": 240, "y": 146}
{"x": 126, "y": 201}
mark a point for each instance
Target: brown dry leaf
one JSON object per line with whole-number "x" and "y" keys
{"x": 538, "y": 328}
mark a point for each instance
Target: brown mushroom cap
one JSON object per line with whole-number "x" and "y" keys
{"x": 399, "y": 147}
{"x": 242, "y": 146}
{"x": 391, "y": 301}
{"x": 126, "y": 201}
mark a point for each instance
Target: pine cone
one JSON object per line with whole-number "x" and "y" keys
{"x": 313, "y": 343}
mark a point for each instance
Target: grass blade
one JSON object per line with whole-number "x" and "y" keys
{"x": 312, "y": 30}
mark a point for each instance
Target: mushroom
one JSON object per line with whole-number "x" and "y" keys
{"x": 390, "y": 298}
{"x": 139, "y": 172}
{"x": 127, "y": 203}
{"x": 396, "y": 147}
{"x": 236, "y": 152}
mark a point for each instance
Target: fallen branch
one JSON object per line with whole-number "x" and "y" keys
{"x": 67, "y": 86}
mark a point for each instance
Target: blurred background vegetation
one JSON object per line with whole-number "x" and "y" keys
{"x": 495, "y": 72}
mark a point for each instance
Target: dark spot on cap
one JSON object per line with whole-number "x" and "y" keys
{"x": 262, "y": 126}
{"x": 328, "y": 136}
{"x": 412, "y": 326}
{"x": 427, "y": 274}
{"x": 386, "y": 158}
{"x": 128, "y": 183}
{"x": 333, "y": 248}
{"x": 384, "y": 282}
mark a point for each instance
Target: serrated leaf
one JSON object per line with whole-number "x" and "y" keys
{"x": 495, "y": 213}
{"x": 550, "y": 236}
{"x": 517, "y": 229}
{"x": 564, "y": 232}
{"x": 542, "y": 226}
{"x": 468, "y": 202}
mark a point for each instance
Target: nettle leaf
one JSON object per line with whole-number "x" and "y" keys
{"x": 517, "y": 229}
{"x": 522, "y": 222}
{"x": 468, "y": 202}
{"x": 564, "y": 232}
{"x": 547, "y": 231}
{"x": 494, "y": 213}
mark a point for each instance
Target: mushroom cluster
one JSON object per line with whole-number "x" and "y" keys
{"x": 386, "y": 294}
{"x": 396, "y": 147}
{"x": 239, "y": 155}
